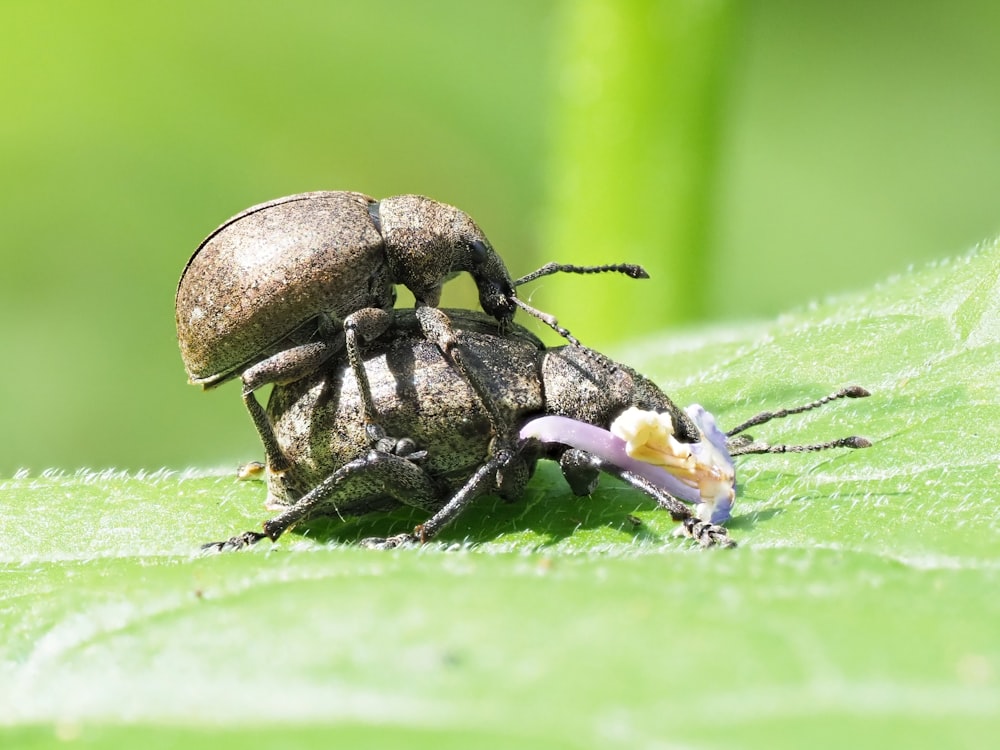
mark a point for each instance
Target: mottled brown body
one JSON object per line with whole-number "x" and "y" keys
{"x": 272, "y": 268}
{"x": 257, "y": 280}
{"x": 285, "y": 286}
{"x": 454, "y": 453}
{"x": 418, "y": 394}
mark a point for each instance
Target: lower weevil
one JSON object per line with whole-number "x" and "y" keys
{"x": 567, "y": 404}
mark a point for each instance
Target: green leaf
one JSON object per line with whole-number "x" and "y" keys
{"x": 860, "y": 604}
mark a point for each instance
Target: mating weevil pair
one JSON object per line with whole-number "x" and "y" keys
{"x": 568, "y": 404}
{"x": 478, "y": 406}
{"x": 280, "y": 288}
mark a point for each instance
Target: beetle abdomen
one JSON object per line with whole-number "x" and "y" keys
{"x": 418, "y": 394}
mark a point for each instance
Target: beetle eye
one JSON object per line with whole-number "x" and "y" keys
{"x": 478, "y": 252}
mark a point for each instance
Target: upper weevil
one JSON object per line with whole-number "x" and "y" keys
{"x": 279, "y": 288}
{"x": 567, "y": 403}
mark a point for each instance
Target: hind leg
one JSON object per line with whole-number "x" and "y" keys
{"x": 378, "y": 473}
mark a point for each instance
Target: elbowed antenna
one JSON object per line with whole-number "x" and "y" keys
{"x": 854, "y": 391}
{"x": 549, "y": 320}
{"x": 631, "y": 270}
{"x": 745, "y": 449}
{"x": 743, "y": 445}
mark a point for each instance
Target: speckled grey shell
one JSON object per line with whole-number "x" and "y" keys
{"x": 270, "y": 269}
{"x": 417, "y": 394}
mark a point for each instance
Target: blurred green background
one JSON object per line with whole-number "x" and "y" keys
{"x": 755, "y": 156}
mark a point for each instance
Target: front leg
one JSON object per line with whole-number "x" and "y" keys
{"x": 502, "y": 471}
{"x": 359, "y": 327}
{"x": 436, "y": 328}
{"x": 581, "y": 470}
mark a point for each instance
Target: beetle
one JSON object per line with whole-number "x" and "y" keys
{"x": 557, "y": 403}
{"x": 279, "y": 288}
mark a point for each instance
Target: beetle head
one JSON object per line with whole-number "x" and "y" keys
{"x": 496, "y": 290}
{"x": 428, "y": 243}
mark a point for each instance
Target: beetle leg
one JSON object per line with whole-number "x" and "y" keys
{"x": 582, "y": 465}
{"x": 364, "y": 325}
{"x": 246, "y": 539}
{"x": 505, "y": 473}
{"x": 581, "y": 470}
{"x": 705, "y": 533}
{"x": 378, "y": 473}
{"x": 273, "y": 454}
{"x": 291, "y": 364}
{"x": 284, "y": 367}
{"x": 436, "y": 328}
{"x": 483, "y": 482}
{"x": 384, "y": 443}
{"x": 389, "y": 542}
{"x": 375, "y": 474}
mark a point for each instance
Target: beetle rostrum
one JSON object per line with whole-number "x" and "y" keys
{"x": 428, "y": 243}
{"x": 453, "y": 459}
{"x": 280, "y": 288}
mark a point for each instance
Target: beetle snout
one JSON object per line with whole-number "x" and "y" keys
{"x": 497, "y": 302}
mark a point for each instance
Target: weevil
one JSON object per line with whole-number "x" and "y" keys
{"x": 283, "y": 286}
{"x": 567, "y": 404}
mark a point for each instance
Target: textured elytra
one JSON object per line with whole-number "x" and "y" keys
{"x": 270, "y": 269}
{"x": 259, "y": 285}
{"x": 420, "y": 395}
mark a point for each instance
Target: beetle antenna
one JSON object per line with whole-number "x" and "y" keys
{"x": 754, "y": 447}
{"x": 854, "y": 391}
{"x": 629, "y": 269}
{"x": 549, "y": 320}
{"x": 599, "y": 359}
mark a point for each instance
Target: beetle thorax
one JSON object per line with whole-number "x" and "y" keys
{"x": 426, "y": 242}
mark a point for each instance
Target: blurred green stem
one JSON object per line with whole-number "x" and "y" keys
{"x": 637, "y": 88}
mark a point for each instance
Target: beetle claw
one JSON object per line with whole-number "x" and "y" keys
{"x": 376, "y": 433}
{"x": 246, "y": 539}
{"x": 402, "y": 447}
{"x": 391, "y": 542}
{"x": 706, "y": 534}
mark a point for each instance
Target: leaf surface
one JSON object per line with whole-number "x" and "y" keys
{"x": 860, "y": 603}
